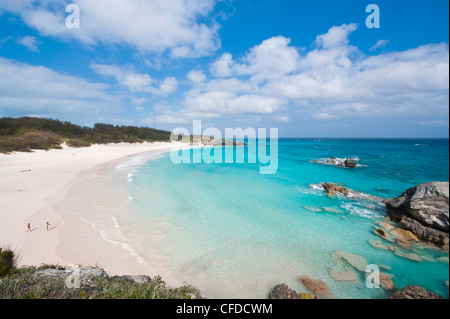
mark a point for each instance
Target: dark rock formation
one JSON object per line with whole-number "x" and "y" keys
{"x": 427, "y": 234}
{"x": 414, "y": 292}
{"x": 423, "y": 210}
{"x": 350, "y": 162}
{"x": 283, "y": 292}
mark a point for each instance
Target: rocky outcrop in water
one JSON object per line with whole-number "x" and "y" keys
{"x": 414, "y": 292}
{"x": 350, "y": 162}
{"x": 332, "y": 189}
{"x": 423, "y": 210}
{"x": 283, "y": 292}
{"x": 339, "y": 162}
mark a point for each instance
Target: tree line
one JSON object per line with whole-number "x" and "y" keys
{"x": 27, "y": 133}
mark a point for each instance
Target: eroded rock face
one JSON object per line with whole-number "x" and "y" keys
{"x": 427, "y": 234}
{"x": 426, "y": 203}
{"x": 414, "y": 292}
{"x": 423, "y": 210}
{"x": 283, "y": 292}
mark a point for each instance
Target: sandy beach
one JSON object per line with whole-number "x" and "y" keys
{"x": 31, "y": 183}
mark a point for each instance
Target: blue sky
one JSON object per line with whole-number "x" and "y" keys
{"x": 308, "y": 68}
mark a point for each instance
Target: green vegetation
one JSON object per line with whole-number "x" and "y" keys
{"x": 32, "y": 283}
{"x": 29, "y": 133}
{"x": 8, "y": 261}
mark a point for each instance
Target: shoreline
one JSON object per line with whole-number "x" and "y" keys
{"x": 32, "y": 183}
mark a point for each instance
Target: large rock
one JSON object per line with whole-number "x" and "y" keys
{"x": 427, "y": 203}
{"x": 423, "y": 210}
{"x": 332, "y": 189}
{"x": 83, "y": 275}
{"x": 414, "y": 292}
{"x": 283, "y": 292}
{"x": 350, "y": 162}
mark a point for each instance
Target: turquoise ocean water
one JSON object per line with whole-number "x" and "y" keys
{"x": 235, "y": 233}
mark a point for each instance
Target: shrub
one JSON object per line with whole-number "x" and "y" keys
{"x": 8, "y": 261}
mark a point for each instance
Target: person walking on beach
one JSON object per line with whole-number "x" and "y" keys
{"x": 29, "y": 228}
{"x": 48, "y": 225}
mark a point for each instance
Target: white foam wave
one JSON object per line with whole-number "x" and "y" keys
{"x": 335, "y": 161}
{"x": 132, "y": 163}
{"x": 106, "y": 234}
{"x": 116, "y": 224}
{"x": 316, "y": 186}
{"x": 357, "y": 210}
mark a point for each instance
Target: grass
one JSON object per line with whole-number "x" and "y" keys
{"x": 26, "y": 283}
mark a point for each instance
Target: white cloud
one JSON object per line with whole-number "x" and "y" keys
{"x": 137, "y": 82}
{"x": 196, "y": 77}
{"x": 31, "y": 43}
{"x": 333, "y": 80}
{"x": 156, "y": 26}
{"x": 379, "y": 44}
{"x": 223, "y": 67}
{"x": 272, "y": 58}
{"x": 27, "y": 89}
{"x": 336, "y": 36}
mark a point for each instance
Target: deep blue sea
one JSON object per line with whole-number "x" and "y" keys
{"x": 236, "y": 233}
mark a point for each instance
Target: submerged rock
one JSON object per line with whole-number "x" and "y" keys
{"x": 403, "y": 243}
{"x": 318, "y": 287}
{"x": 283, "y": 292}
{"x": 332, "y": 210}
{"x": 357, "y": 262}
{"x": 414, "y": 292}
{"x": 410, "y": 256}
{"x": 386, "y": 281}
{"x": 346, "y": 275}
{"x": 379, "y": 245}
{"x": 307, "y": 295}
{"x": 442, "y": 260}
{"x": 350, "y": 263}
{"x": 313, "y": 209}
{"x": 386, "y": 225}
